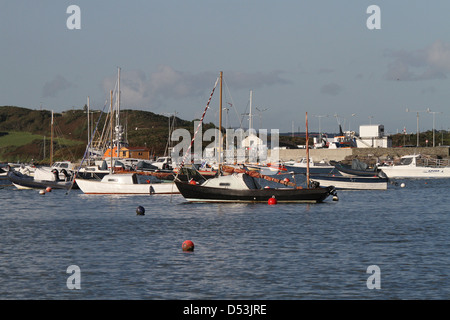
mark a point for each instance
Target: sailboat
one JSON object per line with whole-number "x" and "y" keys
{"x": 243, "y": 185}
{"x": 120, "y": 182}
{"x": 55, "y": 177}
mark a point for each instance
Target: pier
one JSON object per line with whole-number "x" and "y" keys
{"x": 341, "y": 154}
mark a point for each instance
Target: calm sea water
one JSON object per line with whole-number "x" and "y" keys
{"x": 242, "y": 251}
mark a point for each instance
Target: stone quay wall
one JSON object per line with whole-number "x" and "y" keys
{"x": 360, "y": 153}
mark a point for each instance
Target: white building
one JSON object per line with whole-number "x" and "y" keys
{"x": 372, "y": 136}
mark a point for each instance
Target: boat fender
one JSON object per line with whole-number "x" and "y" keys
{"x": 272, "y": 201}
{"x": 193, "y": 182}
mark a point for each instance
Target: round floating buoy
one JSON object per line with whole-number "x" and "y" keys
{"x": 140, "y": 211}
{"x": 286, "y": 180}
{"x": 41, "y": 191}
{"x": 272, "y": 200}
{"x": 402, "y": 185}
{"x": 335, "y": 198}
{"x": 192, "y": 181}
{"x": 188, "y": 245}
{"x": 48, "y": 189}
{"x": 266, "y": 187}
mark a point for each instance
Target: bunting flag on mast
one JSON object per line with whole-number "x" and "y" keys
{"x": 198, "y": 128}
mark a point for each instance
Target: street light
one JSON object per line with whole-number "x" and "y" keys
{"x": 352, "y": 115}
{"x": 260, "y": 115}
{"x": 319, "y": 116}
{"x": 434, "y": 114}
{"x": 417, "y": 132}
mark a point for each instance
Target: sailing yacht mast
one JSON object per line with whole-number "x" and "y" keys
{"x": 307, "y": 152}
{"x": 118, "y": 128}
{"x": 220, "y": 123}
{"x": 88, "y": 132}
{"x": 51, "y": 142}
{"x": 250, "y": 122}
{"x": 111, "y": 131}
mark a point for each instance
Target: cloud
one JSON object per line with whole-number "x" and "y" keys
{"x": 331, "y": 89}
{"x": 325, "y": 71}
{"x": 52, "y": 88}
{"x": 165, "y": 83}
{"x": 433, "y": 62}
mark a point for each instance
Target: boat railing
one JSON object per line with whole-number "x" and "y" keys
{"x": 432, "y": 162}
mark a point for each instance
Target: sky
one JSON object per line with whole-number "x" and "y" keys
{"x": 324, "y": 58}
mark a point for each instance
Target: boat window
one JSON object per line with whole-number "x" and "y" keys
{"x": 225, "y": 184}
{"x": 406, "y": 161}
{"x": 113, "y": 180}
{"x": 64, "y": 165}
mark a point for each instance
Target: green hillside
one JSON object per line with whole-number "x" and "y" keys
{"x": 24, "y": 132}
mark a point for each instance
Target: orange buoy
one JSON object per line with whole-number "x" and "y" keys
{"x": 192, "y": 181}
{"x": 188, "y": 245}
{"x": 272, "y": 201}
{"x": 48, "y": 189}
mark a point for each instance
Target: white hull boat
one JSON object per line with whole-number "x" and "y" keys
{"x": 352, "y": 183}
{"x": 127, "y": 183}
{"x": 417, "y": 166}
{"x": 314, "y": 167}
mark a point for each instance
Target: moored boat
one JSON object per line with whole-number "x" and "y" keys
{"x": 357, "y": 168}
{"x": 126, "y": 183}
{"x": 42, "y": 179}
{"x": 314, "y": 167}
{"x": 242, "y": 187}
{"x": 353, "y": 182}
{"x": 417, "y": 166}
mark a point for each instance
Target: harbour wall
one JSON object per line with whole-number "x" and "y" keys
{"x": 361, "y": 153}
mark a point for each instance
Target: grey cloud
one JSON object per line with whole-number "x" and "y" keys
{"x": 331, "y": 89}
{"x": 167, "y": 83}
{"x": 53, "y": 87}
{"x": 432, "y": 62}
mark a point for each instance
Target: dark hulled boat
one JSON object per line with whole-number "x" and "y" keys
{"x": 241, "y": 187}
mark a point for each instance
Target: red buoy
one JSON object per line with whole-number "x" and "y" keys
{"x": 48, "y": 189}
{"x": 188, "y": 245}
{"x": 272, "y": 200}
{"x": 192, "y": 181}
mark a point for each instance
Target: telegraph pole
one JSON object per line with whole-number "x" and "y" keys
{"x": 417, "y": 132}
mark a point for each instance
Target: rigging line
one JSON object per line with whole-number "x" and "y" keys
{"x": 87, "y": 148}
{"x": 65, "y": 147}
{"x": 196, "y": 131}
{"x": 233, "y": 105}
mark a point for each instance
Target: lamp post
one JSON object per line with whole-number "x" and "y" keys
{"x": 417, "y": 132}
{"x": 260, "y": 115}
{"x": 434, "y": 115}
{"x": 352, "y": 115}
{"x": 319, "y": 116}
